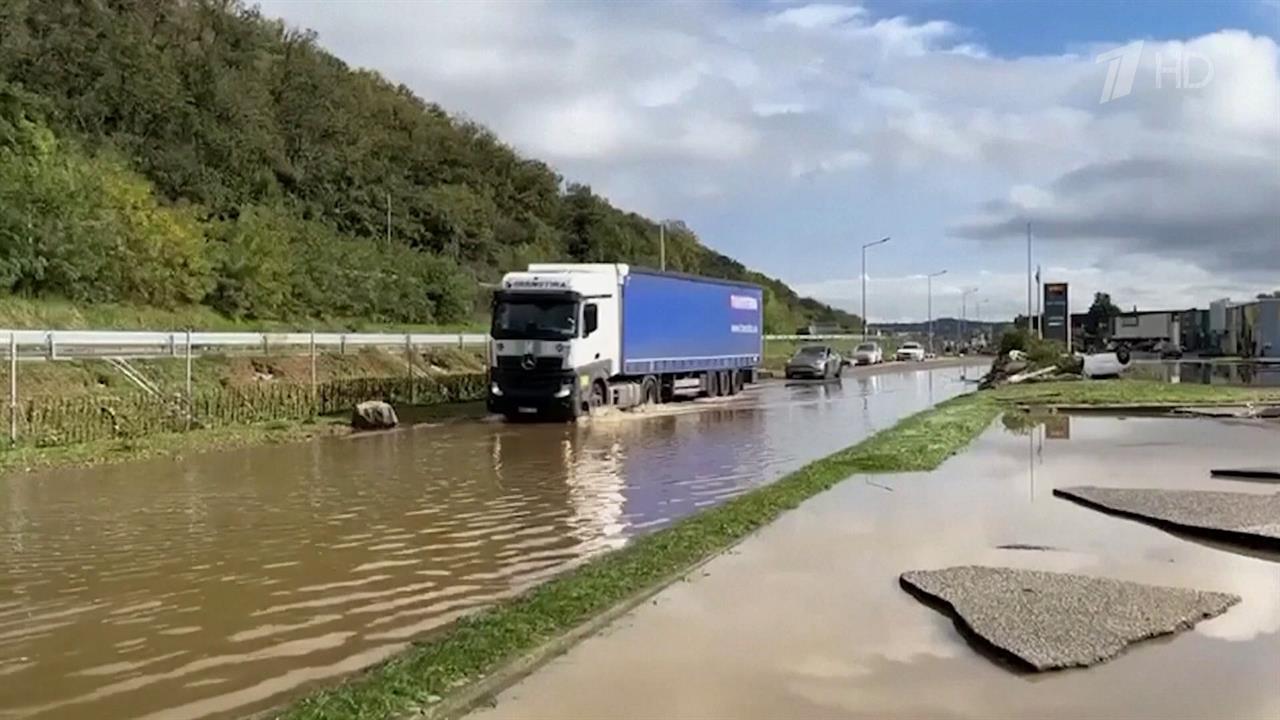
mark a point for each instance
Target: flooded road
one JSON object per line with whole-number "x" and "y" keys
{"x": 1210, "y": 372}
{"x": 218, "y": 584}
{"x": 807, "y": 619}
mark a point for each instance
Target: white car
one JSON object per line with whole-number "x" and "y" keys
{"x": 868, "y": 353}
{"x": 910, "y": 351}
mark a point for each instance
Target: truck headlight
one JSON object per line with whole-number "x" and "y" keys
{"x": 495, "y": 390}
{"x": 564, "y": 391}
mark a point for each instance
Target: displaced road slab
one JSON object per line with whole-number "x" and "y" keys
{"x": 1248, "y": 518}
{"x": 1050, "y": 621}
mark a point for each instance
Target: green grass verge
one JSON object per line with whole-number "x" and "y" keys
{"x": 104, "y": 452}
{"x": 1131, "y": 392}
{"x": 479, "y": 644}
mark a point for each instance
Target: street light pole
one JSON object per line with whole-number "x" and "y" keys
{"x": 964, "y": 320}
{"x": 881, "y": 241}
{"x": 929, "y": 278}
{"x": 978, "y": 308}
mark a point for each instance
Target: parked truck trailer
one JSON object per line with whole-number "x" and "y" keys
{"x": 571, "y": 338}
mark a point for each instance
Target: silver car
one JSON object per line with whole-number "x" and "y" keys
{"x": 814, "y": 362}
{"x": 868, "y": 353}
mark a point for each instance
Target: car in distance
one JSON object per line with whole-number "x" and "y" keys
{"x": 910, "y": 351}
{"x": 868, "y": 353}
{"x": 814, "y": 362}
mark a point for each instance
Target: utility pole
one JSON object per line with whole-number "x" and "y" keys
{"x": 1028, "y": 277}
{"x": 1039, "y": 307}
{"x": 930, "y": 278}
{"x": 865, "y": 324}
{"x": 662, "y": 246}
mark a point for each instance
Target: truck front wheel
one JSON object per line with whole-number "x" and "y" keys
{"x": 598, "y": 397}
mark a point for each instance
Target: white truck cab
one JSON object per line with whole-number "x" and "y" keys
{"x": 554, "y": 327}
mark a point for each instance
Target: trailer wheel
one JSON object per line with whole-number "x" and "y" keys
{"x": 731, "y": 382}
{"x": 650, "y": 393}
{"x": 739, "y": 381}
{"x": 666, "y": 389}
{"x": 711, "y": 383}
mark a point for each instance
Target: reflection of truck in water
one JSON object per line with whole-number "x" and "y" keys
{"x": 568, "y": 338}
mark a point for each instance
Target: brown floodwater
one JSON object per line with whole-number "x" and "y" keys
{"x": 220, "y": 584}
{"x": 806, "y": 618}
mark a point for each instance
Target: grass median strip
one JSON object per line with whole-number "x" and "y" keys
{"x": 480, "y": 644}
{"x": 1132, "y": 392}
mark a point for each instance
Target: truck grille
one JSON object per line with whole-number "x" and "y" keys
{"x": 540, "y": 364}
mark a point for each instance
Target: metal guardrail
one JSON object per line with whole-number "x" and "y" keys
{"x": 66, "y": 344}
{"x": 60, "y": 344}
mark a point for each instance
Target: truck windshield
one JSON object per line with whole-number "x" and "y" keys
{"x": 535, "y": 319}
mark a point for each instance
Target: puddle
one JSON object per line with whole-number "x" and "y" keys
{"x": 808, "y": 618}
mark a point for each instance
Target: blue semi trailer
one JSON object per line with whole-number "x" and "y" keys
{"x": 570, "y": 338}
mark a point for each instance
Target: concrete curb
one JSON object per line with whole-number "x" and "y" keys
{"x": 483, "y": 690}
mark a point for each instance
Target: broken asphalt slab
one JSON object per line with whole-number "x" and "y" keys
{"x": 1252, "y": 473}
{"x": 1246, "y": 518}
{"x": 1049, "y": 621}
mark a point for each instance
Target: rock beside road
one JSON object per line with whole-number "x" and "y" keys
{"x": 1250, "y": 518}
{"x": 1049, "y": 620}
{"x": 374, "y": 415}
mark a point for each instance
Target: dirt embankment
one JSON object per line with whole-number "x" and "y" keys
{"x": 80, "y": 378}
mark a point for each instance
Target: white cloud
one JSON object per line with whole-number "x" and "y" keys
{"x": 818, "y": 15}
{"x": 710, "y": 109}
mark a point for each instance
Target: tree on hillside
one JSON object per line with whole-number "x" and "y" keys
{"x": 292, "y": 185}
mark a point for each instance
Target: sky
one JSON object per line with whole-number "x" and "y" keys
{"x": 1140, "y": 140}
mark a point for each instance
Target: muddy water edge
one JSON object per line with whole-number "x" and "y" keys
{"x": 219, "y": 584}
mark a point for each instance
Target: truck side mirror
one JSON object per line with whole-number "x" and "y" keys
{"x": 590, "y": 319}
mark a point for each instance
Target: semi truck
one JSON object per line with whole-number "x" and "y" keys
{"x": 568, "y": 339}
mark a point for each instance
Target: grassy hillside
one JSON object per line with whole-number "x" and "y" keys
{"x": 180, "y": 153}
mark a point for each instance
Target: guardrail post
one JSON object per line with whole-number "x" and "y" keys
{"x": 173, "y": 345}
{"x": 408, "y": 358}
{"x": 191, "y": 404}
{"x": 52, "y": 349}
{"x": 314, "y": 407}
{"x": 462, "y": 341}
{"x": 13, "y": 389}
{"x": 265, "y": 350}
{"x": 342, "y": 344}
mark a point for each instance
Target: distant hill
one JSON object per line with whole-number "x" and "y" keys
{"x": 180, "y": 152}
{"x": 947, "y": 327}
